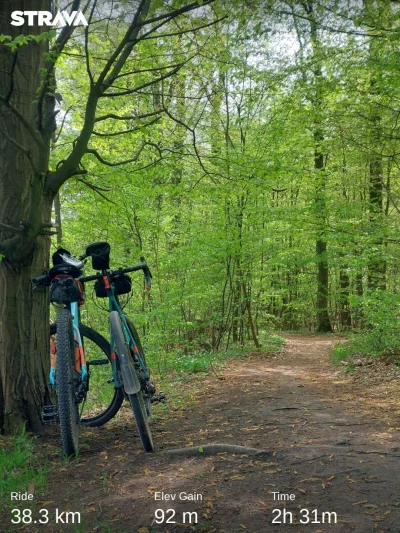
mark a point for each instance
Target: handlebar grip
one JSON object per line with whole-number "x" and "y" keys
{"x": 40, "y": 279}
{"x": 147, "y": 273}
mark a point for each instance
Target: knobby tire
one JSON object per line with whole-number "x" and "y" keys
{"x": 65, "y": 369}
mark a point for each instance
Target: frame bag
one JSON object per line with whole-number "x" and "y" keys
{"x": 65, "y": 290}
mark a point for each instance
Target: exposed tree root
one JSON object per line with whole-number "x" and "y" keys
{"x": 210, "y": 449}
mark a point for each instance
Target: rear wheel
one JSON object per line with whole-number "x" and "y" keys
{"x": 136, "y": 400}
{"x": 103, "y": 400}
{"x": 67, "y": 380}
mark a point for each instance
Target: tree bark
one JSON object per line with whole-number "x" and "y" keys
{"x": 24, "y": 208}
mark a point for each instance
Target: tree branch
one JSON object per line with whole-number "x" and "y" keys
{"x": 325, "y": 27}
{"x": 126, "y": 131}
{"x": 140, "y": 71}
{"x": 62, "y": 124}
{"x": 129, "y": 117}
{"x": 147, "y": 84}
{"x": 104, "y": 81}
{"x": 177, "y": 12}
{"x": 109, "y": 164}
{"x": 97, "y": 190}
{"x": 181, "y": 32}
{"x": 87, "y": 43}
{"x": 6, "y": 227}
{"x": 123, "y": 50}
{"x": 193, "y": 132}
{"x": 53, "y": 54}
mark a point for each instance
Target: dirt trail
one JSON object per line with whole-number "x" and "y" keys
{"x": 332, "y": 443}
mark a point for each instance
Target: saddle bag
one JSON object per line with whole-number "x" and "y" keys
{"x": 100, "y": 254}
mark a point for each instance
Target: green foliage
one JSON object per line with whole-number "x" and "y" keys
{"x": 22, "y": 39}
{"x": 183, "y": 364}
{"x": 379, "y": 313}
{"x": 19, "y": 467}
{"x": 245, "y": 206}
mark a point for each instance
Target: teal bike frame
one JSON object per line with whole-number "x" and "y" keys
{"x": 114, "y": 305}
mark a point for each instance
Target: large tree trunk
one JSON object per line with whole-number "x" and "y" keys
{"x": 323, "y": 321}
{"x": 379, "y": 12}
{"x": 24, "y": 155}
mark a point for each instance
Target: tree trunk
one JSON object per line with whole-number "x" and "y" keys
{"x": 345, "y": 316}
{"x": 250, "y": 316}
{"x": 323, "y": 321}
{"x": 24, "y": 156}
{"x": 57, "y": 213}
{"x": 377, "y": 264}
{"x": 379, "y": 12}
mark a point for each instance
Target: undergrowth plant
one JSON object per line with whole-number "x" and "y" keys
{"x": 378, "y": 312}
{"x": 20, "y": 469}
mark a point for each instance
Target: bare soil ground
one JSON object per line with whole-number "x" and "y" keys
{"x": 330, "y": 439}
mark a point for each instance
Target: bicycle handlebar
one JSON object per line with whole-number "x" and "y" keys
{"x": 45, "y": 278}
{"x": 40, "y": 279}
{"x": 114, "y": 273}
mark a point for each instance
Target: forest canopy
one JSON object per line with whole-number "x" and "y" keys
{"x": 250, "y": 151}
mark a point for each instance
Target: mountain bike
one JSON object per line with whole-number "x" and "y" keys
{"x": 71, "y": 371}
{"x": 131, "y": 369}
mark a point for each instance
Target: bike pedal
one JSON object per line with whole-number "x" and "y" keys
{"x": 160, "y": 397}
{"x": 50, "y": 415}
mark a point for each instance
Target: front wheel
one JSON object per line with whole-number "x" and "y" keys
{"x": 67, "y": 380}
{"x": 103, "y": 398}
{"x": 136, "y": 399}
{"x": 142, "y": 420}
{"x": 136, "y": 338}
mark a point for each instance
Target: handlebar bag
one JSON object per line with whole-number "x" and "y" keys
{"x": 57, "y": 256}
{"x": 122, "y": 285}
{"x": 65, "y": 290}
{"x": 100, "y": 254}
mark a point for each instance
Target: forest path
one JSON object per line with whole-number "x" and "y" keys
{"x": 332, "y": 442}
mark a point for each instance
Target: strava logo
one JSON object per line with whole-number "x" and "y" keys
{"x": 45, "y": 18}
